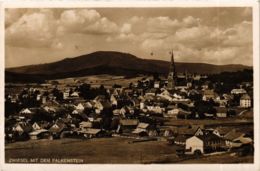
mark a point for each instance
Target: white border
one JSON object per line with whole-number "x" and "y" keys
{"x": 159, "y": 3}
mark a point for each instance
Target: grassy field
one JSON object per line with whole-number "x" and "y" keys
{"x": 97, "y": 80}
{"x": 209, "y": 122}
{"x": 105, "y": 150}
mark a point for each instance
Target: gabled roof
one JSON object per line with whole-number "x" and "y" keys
{"x": 209, "y": 92}
{"x": 129, "y": 122}
{"x": 100, "y": 98}
{"x": 85, "y": 124}
{"x": 37, "y": 132}
{"x": 232, "y": 135}
{"x": 185, "y": 130}
{"x": 91, "y": 131}
{"x": 138, "y": 131}
{"x": 209, "y": 137}
{"x": 57, "y": 127}
{"x": 143, "y": 125}
{"x": 25, "y": 126}
{"x": 80, "y": 106}
{"x": 245, "y": 97}
{"x": 223, "y": 130}
{"x": 26, "y": 111}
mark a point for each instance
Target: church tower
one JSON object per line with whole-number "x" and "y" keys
{"x": 172, "y": 74}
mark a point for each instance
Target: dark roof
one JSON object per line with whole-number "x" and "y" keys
{"x": 61, "y": 126}
{"x": 26, "y": 127}
{"x": 223, "y": 130}
{"x": 186, "y": 131}
{"x": 233, "y": 135}
{"x": 209, "y": 137}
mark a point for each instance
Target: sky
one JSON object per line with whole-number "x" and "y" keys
{"x": 210, "y": 35}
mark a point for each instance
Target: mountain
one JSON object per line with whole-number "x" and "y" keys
{"x": 114, "y": 63}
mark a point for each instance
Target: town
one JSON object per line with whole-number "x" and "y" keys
{"x": 195, "y": 114}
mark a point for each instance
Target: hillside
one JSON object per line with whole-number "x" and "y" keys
{"x": 114, "y": 63}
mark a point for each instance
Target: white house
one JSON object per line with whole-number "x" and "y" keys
{"x": 245, "y": 101}
{"x": 79, "y": 107}
{"x": 26, "y": 111}
{"x": 75, "y": 94}
{"x": 238, "y": 91}
{"x": 194, "y": 144}
{"x": 35, "y": 126}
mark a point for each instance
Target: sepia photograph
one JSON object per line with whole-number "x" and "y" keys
{"x": 129, "y": 85}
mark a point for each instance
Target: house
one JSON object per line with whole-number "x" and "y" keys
{"x": 194, "y": 144}
{"x": 99, "y": 98}
{"x": 22, "y": 127}
{"x": 238, "y": 91}
{"x": 128, "y": 92}
{"x": 208, "y": 94}
{"x": 188, "y": 131}
{"x": 183, "y": 114}
{"x": 151, "y": 92}
{"x": 49, "y": 109}
{"x": 57, "y": 128}
{"x": 100, "y": 105}
{"x": 141, "y": 129}
{"x": 156, "y": 84}
{"x": 221, "y": 112}
{"x": 127, "y": 125}
{"x": 80, "y": 107}
{"x": 145, "y": 129}
{"x": 200, "y": 144}
{"x": 35, "y": 126}
{"x": 76, "y": 112}
{"x": 113, "y": 100}
{"x": 222, "y": 131}
{"x": 172, "y": 113}
{"x": 91, "y": 132}
{"x": 85, "y": 125}
{"x": 74, "y": 94}
{"x": 40, "y": 134}
{"x": 155, "y": 108}
{"x": 89, "y": 105}
{"x": 25, "y": 111}
{"x": 233, "y": 138}
{"x": 245, "y": 101}
{"x": 66, "y": 94}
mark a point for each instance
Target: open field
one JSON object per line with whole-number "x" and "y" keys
{"x": 106, "y": 150}
{"x": 97, "y": 80}
{"x": 209, "y": 122}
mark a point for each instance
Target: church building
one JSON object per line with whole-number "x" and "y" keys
{"x": 172, "y": 74}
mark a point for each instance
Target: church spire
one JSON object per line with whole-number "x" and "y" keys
{"x": 172, "y": 73}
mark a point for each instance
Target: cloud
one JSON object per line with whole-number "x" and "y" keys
{"x": 239, "y": 35}
{"x": 32, "y": 29}
{"x": 85, "y": 21}
{"x": 126, "y": 28}
{"x": 192, "y": 38}
{"x": 191, "y": 21}
{"x": 39, "y": 28}
{"x": 12, "y": 15}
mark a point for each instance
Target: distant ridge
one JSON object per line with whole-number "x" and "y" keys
{"x": 114, "y": 63}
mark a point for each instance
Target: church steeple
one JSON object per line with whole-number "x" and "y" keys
{"x": 172, "y": 74}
